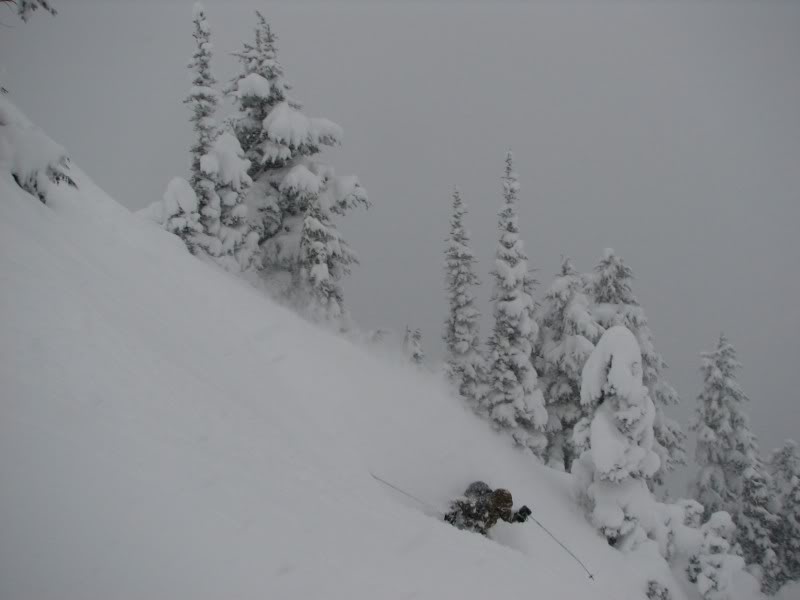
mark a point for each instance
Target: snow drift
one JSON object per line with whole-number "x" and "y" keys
{"x": 168, "y": 432}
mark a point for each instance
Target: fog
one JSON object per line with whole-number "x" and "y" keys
{"x": 668, "y": 131}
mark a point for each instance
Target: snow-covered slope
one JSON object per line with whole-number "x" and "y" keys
{"x": 168, "y": 432}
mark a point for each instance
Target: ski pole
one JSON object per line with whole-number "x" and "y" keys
{"x": 578, "y": 560}
{"x": 405, "y": 493}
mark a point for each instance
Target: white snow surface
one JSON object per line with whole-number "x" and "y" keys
{"x": 168, "y": 432}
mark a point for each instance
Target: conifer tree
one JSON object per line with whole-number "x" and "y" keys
{"x": 203, "y": 99}
{"x": 567, "y": 332}
{"x": 784, "y": 471}
{"x": 713, "y": 565}
{"x": 788, "y": 537}
{"x": 231, "y": 239}
{"x": 464, "y": 361}
{"x": 325, "y": 259}
{"x": 417, "y": 355}
{"x": 412, "y": 346}
{"x": 657, "y": 591}
{"x": 294, "y": 196}
{"x": 613, "y": 472}
{"x": 257, "y": 89}
{"x": 726, "y": 448}
{"x": 218, "y": 170}
{"x": 513, "y": 399}
{"x": 180, "y": 212}
{"x": 615, "y": 304}
{"x": 784, "y": 466}
{"x": 757, "y": 528}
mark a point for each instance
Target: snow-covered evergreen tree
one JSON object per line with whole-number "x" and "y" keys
{"x": 219, "y": 169}
{"x": 613, "y": 472}
{"x": 230, "y": 238}
{"x": 615, "y": 304}
{"x": 35, "y": 161}
{"x": 324, "y": 259}
{"x": 567, "y": 333}
{"x": 726, "y": 448}
{"x": 513, "y": 400}
{"x": 784, "y": 476}
{"x": 257, "y": 89}
{"x": 464, "y": 361}
{"x": 784, "y": 466}
{"x": 25, "y": 8}
{"x": 284, "y": 191}
{"x": 294, "y": 198}
{"x": 713, "y": 565}
{"x": 203, "y": 99}
{"x": 412, "y": 346}
{"x": 179, "y": 212}
{"x": 417, "y": 355}
{"x": 657, "y": 591}
{"x": 788, "y": 535}
{"x": 757, "y": 529}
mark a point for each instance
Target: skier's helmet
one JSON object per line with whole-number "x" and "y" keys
{"x": 502, "y": 499}
{"x": 476, "y": 489}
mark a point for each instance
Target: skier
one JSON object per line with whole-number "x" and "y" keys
{"x": 480, "y": 508}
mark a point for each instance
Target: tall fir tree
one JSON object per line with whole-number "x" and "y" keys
{"x": 513, "y": 400}
{"x": 757, "y": 529}
{"x": 567, "y": 334}
{"x": 726, "y": 447}
{"x": 324, "y": 259}
{"x": 203, "y": 99}
{"x": 464, "y": 363}
{"x": 218, "y": 167}
{"x": 295, "y": 198}
{"x": 257, "y": 89}
{"x": 615, "y": 304}
{"x": 231, "y": 239}
{"x": 612, "y": 473}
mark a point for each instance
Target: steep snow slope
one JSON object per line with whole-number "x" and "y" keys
{"x": 167, "y": 432}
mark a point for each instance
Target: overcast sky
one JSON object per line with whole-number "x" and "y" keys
{"x": 668, "y": 131}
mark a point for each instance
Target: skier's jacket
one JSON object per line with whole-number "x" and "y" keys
{"x": 480, "y": 508}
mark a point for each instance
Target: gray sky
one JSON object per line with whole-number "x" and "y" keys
{"x": 669, "y": 131}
